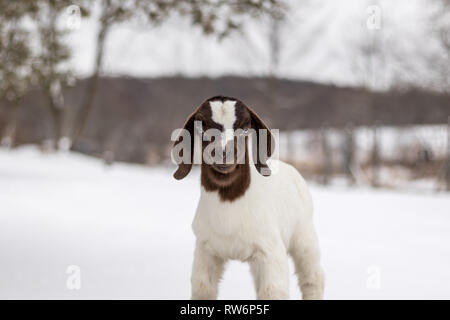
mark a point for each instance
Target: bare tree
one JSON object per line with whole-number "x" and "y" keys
{"x": 369, "y": 60}
{"x": 348, "y": 149}
{"x": 424, "y": 66}
{"x": 279, "y": 39}
{"x": 112, "y": 12}
{"x": 439, "y": 59}
{"x": 327, "y": 164}
{"x": 437, "y": 62}
{"x": 447, "y": 160}
{"x": 369, "y": 64}
{"x": 274, "y": 45}
{"x": 375, "y": 155}
{"x": 49, "y": 63}
{"x": 15, "y": 57}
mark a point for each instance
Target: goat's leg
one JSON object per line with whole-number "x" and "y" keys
{"x": 271, "y": 275}
{"x": 207, "y": 271}
{"x": 306, "y": 255}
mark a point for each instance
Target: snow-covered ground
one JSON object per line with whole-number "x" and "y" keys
{"x": 128, "y": 229}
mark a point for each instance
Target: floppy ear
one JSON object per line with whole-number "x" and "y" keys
{"x": 264, "y": 155}
{"x": 185, "y": 168}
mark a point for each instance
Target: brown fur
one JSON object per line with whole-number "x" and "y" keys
{"x": 230, "y": 186}
{"x": 233, "y": 184}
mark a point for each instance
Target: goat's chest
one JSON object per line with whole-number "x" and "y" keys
{"x": 233, "y": 230}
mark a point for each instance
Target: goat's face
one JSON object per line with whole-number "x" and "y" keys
{"x": 223, "y": 125}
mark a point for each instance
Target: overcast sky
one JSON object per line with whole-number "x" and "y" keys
{"x": 317, "y": 43}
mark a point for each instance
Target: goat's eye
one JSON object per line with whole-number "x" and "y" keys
{"x": 244, "y": 132}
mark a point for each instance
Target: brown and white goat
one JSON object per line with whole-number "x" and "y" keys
{"x": 254, "y": 213}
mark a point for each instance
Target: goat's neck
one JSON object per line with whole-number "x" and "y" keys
{"x": 229, "y": 187}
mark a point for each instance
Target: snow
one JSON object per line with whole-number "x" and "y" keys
{"x": 128, "y": 229}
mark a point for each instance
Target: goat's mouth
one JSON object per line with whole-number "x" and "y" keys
{"x": 224, "y": 168}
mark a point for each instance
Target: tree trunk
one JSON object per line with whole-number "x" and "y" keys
{"x": 447, "y": 166}
{"x": 375, "y": 156}
{"x": 349, "y": 153}
{"x": 57, "y": 114}
{"x": 9, "y": 134}
{"x": 327, "y": 165}
{"x": 92, "y": 83}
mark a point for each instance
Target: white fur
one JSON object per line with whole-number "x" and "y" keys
{"x": 224, "y": 114}
{"x": 272, "y": 219}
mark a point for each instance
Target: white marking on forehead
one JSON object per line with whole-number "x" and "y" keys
{"x": 223, "y": 113}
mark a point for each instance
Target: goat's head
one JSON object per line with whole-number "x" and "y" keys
{"x": 224, "y": 125}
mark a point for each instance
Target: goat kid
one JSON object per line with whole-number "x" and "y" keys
{"x": 249, "y": 213}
